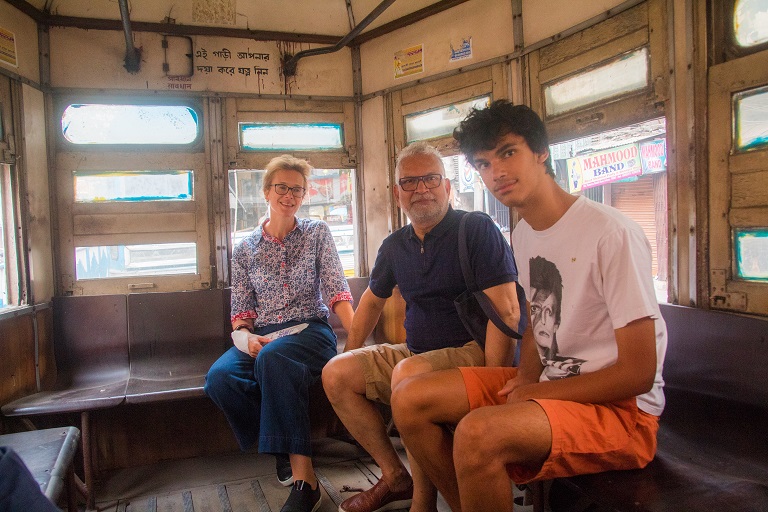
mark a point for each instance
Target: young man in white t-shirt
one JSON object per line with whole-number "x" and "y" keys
{"x": 588, "y": 392}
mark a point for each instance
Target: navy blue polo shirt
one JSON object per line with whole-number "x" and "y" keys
{"x": 429, "y": 276}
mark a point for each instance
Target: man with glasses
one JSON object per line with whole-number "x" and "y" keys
{"x": 588, "y": 392}
{"x": 422, "y": 259}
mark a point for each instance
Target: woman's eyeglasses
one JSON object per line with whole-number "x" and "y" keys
{"x": 411, "y": 184}
{"x": 282, "y": 189}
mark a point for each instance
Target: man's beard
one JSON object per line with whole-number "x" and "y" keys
{"x": 426, "y": 213}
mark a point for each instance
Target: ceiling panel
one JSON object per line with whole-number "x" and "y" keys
{"x": 326, "y": 17}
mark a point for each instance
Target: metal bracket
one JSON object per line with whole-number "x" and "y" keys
{"x": 719, "y": 298}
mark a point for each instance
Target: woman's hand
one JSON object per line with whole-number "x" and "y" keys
{"x": 256, "y": 343}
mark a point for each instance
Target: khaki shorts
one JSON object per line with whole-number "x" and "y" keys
{"x": 379, "y": 360}
{"x": 586, "y": 438}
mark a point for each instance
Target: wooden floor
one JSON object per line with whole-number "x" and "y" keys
{"x": 240, "y": 482}
{"x": 236, "y": 482}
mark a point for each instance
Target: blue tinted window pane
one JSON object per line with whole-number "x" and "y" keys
{"x": 750, "y": 22}
{"x": 113, "y": 261}
{"x": 106, "y": 186}
{"x": 290, "y": 137}
{"x": 752, "y": 254}
{"x": 129, "y": 124}
{"x": 751, "y": 119}
{"x": 440, "y": 122}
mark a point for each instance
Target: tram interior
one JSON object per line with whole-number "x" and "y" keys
{"x": 134, "y": 135}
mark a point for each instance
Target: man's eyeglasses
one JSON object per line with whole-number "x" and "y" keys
{"x": 411, "y": 184}
{"x": 282, "y": 189}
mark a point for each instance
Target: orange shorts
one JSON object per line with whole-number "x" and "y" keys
{"x": 586, "y": 438}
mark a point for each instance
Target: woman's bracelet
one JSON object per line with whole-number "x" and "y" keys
{"x": 243, "y": 326}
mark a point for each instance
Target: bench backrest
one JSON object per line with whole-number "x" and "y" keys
{"x": 90, "y": 339}
{"x": 174, "y": 339}
{"x": 719, "y": 354}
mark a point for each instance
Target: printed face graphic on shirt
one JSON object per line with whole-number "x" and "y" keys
{"x": 543, "y": 308}
{"x": 546, "y": 305}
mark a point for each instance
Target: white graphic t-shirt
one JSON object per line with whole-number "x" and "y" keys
{"x": 585, "y": 276}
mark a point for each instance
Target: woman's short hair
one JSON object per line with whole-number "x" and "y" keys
{"x": 285, "y": 163}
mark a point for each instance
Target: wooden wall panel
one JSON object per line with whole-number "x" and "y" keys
{"x": 136, "y": 435}
{"x": 17, "y": 364}
{"x": 47, "y": 367}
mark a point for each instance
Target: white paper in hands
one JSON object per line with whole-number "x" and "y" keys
{"x": 240, "y": 337}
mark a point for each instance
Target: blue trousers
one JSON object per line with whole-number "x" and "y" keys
{"x": 267, "y": 399}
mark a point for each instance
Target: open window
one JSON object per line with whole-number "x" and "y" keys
{"x": 430, "y": 112}
{"x": 321, "y": 133}
{"x": 601, "y": 93}
{"x": 12, "y": 264}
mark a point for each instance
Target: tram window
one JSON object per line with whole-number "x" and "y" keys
{"x": 330, "y": 199}
{"x": 627, "y": 169}
{"x": 3, "y": 242}
{"x": 107, "y": 262}
{"x": 623, "y": 75}
{"x": 750, "y": 120}
{"x": 107, "y": 186}
{"x": 440, "y": 122}
{"x": 751, "y": 248}
{"x": 750, "y": 22}
{"x": 291, "y": 137}
{"x": 98, "y": 124}
{"x": 468, "y": 192}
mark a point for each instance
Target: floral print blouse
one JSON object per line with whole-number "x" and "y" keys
{"x": 277, "y": 281}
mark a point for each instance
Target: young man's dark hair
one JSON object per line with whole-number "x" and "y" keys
{"x": 482, "y": 129}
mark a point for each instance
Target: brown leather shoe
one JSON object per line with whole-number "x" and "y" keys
{"x": 378, "y": 499}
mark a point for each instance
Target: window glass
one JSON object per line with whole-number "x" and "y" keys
{"x": 751, "y": 119}
{"x": 750, "y": 22}
{"x": 468, "y": 192}
{"x": 626, "y": 168}
{"x": 440, "y": 122}
{"x": 129, "y": 124}
{"x": 105, "y": 186}
{"x": 752, "y": 254}
{"x": 3, "y": 276}
{"x": 620, "y": 76}
{"x": 330, "y": 198}
{"x": 291, "y": 137}
{"x": 113, "y": 261}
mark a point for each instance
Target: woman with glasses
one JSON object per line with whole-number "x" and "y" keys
{"x": 278, "y": 275}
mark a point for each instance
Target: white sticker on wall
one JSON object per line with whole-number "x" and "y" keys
{"x": 461, "y": 50}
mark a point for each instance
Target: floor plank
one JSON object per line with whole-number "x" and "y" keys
{"x": 239, "y": 482}
{"x": 247, "y": 497}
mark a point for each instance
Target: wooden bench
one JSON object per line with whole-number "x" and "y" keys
{"x": 173, "y": 339}
{"x": 143, "y": 348}
{"x": 713, "y": 435}
{"x": 92, "y": 361}
{"x": 48, "y": 455}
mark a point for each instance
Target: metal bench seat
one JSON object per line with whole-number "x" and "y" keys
{"x": 49, "y": 455}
